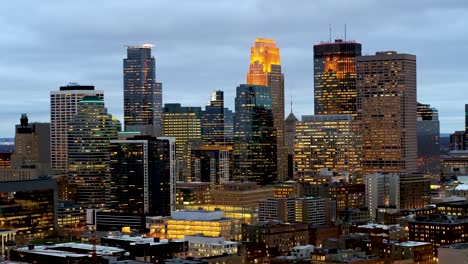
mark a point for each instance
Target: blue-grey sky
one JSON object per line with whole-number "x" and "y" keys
{"x": 204, "y": 45}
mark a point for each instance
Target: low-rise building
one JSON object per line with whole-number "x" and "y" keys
{"x": 200, "y": 246}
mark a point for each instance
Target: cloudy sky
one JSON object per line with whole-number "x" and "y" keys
{"x": 204, "y": 45}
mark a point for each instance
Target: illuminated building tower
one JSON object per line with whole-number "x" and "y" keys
{"x": 386, "y": 84}
{"x": 89, "y": 135}
{"x": 427, "y": 130}
{"x": 335, "y": 77}
{"x": 142, "y": 94}
{"x": 140, "y": 176}
{"x": 289, "y": 135}
{"x": 183, "y": 123}
{"x": 212, "y": 125}
{"x": 32, "y": 147}
{"x": 254, "y": 135}
{"x": 63, "y": 107}
{"x": 326, "y": 141}
{"x": 265, "y": 70}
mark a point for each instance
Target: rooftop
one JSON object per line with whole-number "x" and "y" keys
{"x": 74, "y": 250}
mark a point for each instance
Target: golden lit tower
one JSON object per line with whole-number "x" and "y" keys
{"x": 265, "y": 70}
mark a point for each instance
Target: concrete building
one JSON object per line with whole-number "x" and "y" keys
{"x": 454, "y": 164}
{"x": 200, "y": 246}
{"x": 63, "y": 107}
{"x": 386, "y": 109}
{"x": 382, "y": 190}
{"x": 326, "y": 142}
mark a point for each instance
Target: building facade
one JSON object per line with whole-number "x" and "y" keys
{"x": 386, "y": 102}
{"x": 211, "y": 163}
{"x": 335, "y": 77}
{"x": 255, "y": 144}
{"x": 63, "y": 107}
{"x": 142, "y": 94}
{"x": 326, "y": 142}
{"x": 140, "y": 176}
{"x": 265, "y": 70}
{"x": 428, "y": 136}
{"x": 89, "y": 135}
{"x": 212, "y": 123}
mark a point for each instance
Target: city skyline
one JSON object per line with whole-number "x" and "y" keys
{"x": 38, "y": 57}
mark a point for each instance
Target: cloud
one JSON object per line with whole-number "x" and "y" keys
{"x": 203, "y": 46}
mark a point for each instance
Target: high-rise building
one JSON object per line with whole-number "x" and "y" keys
{"x": 32, "y": 145}
{"x": 335, "y": 77}
{"x": 326, "y": 141}
{"x": 63, "y": 107}
{"x": 140, "y": 176}
{"x": 289, "y": 135}
{"x": 265, "y": 70}
{"x": 212, "y": 164}
{"x": 457, "y": 140}
{"x": 142, "y": 94}
{"x": 428, "y": 130}
{"x": 228, "y": 126}
{"x": 183, "y": 123}
{"x": 89, "y": 135}
{"x": 212, "y": 124}
{"x": 382, "y": 190}
{"x": 255, "y": 144}
{"x": 386, "y": 84}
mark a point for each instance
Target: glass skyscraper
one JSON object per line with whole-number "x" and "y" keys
{"x": 142, "y": 94}
{"x": 212, "y": 125}
{"x": 89, "y": 135}
{"x": 428, "y": 130}
{"x": 335, "y": 77}
{"x": 265, "y": 70}
{"x": 255, "y": 144}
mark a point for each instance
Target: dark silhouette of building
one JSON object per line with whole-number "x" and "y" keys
{"x": 255, "y": 143}
{"x": 428, "y": 136}
{"x": 212, "y": 125}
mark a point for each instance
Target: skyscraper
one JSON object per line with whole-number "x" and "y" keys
{"x": 386, "y": 84}
{"x": 289, "y": 135}
{"x": 228, "y": 126}
{"x": 427, "y": 130}
{"x": 254, "y": 135}
{"x": 265, "y": 70}
{"x": 140, "y": 169}
{"x": 326, "y": 142}
{"x": 183, "y": 123}
{"x": 335, "y": 77}
{"x": 89, "y": 135}
{"x": 212, "y": 125}
{"x": 142, "y": 94}
{"x": 63, "y": 107}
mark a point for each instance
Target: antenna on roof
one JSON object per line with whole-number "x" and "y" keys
{"x": 330, "y": 29}
{"x": 345, "y": 32}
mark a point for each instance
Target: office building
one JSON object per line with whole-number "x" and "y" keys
{"x": 278, "y": 237}
{"x": 228, "y": 126}
{"x": 440, "y": 230}
{"x": 200, "y": 246}
{"x": 335, "y": 77}
{"x": 212, "y": 163}
{"x": 326, "y": 142}
{"x": 265, "y": 70}
{"x": 289, "y": 135}
{"x": 428, "y": 135}
{"x": 32, "y": 144}
{"x": 310, "y": 210}
{"x": 5, "y": 160}
{"x": 140, "y": 176}
{"x": 382, "y": 190}
{"x": 183, "y": 123}
{"x": 458, "y": 140}
{"x": 346, "y": 195}
{"x": 28, "y": 206}
{"x": 142, "y": 94}
{"x": 415, "y": 191}
{"x": 188, "y": 223}
{"x": 255, "y": 144}
{"x": 386, "y": 101}
{"x": 89, "y": 135}
{"x": 63, "y": 107}
{"x": 192, "y": 194}
{"x": 212, "y": 120}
